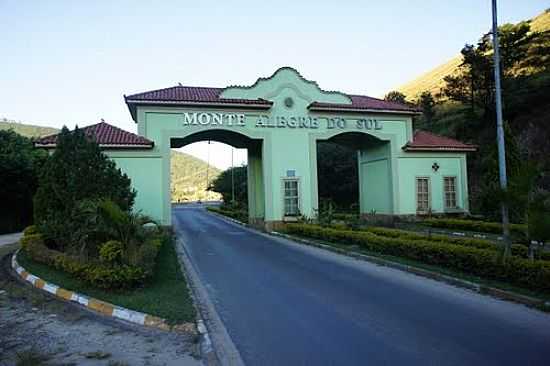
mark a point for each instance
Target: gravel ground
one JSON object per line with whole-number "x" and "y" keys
{"x": 38, "y": 329}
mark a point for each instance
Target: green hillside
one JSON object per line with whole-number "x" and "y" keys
{"x": 25, "y": 129}
{"x": 188, "y": 172}
{"x": 432, "y": 80}
{"x": 189, "y": 178}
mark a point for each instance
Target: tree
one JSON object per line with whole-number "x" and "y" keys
{"x": 19, "y": 165}
{"x": 77, "y": 171}
{"x": 223, "y": 185}
{"x": 337, "y": 174}
{"x": 395, "y": 96}
{"x": 427, "y": 103}
{"x": 474, "y": 82}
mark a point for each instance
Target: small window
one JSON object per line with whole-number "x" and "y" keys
{"x": 291, "y": 197}
{"x": 422, "y": 194}
{"x": 449, "y": 187}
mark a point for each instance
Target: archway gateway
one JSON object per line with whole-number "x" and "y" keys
{"x": 279, "y": 120}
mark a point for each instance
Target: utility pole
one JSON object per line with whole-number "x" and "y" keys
{"x": 232, "y": 179}
{"x": 500, "y": 134}
{"x": 207, "y": 164}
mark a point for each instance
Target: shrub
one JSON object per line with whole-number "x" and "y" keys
{"x": 402, "y": 234}
{"x": 147, "y": 255}
{"x": 29, "y": 230}
{"x": 33, "y": 245}
{"x": 111, "y": 252}
{"x": 478, "y": 226}
{"x": 533, "y": 275}
{"x": 240, "y": 215}
{"x": 94, "y": 273}
{"x": 76, "y": 171}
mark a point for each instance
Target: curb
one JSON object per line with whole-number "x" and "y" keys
{"x": 476, "y": 287}
{"x": 102, "y": 307}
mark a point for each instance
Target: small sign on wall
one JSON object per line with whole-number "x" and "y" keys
{"x": 291, "y": 173}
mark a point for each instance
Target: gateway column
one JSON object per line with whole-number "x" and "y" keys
{"x": 255, "y": 184}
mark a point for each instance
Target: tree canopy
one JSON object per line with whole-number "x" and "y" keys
{"x": 77, "y": 171}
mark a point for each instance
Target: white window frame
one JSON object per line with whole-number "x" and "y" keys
{"x": 429, "y": 188}
{"x": 454, "y": 177}
{"x": 297, "y": 197}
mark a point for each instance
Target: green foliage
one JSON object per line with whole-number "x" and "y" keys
{"x": 395, "y": 96}
{"x": 95, "y": 273}
{"x": 19, "y": 164}
{"x": 75, "y": 172}
{"x": 111, "y": 252}
{"x": 164, "y": 294}
{"x": 337, "y": 174}
{"x": 533, "y": 275}
{"x": 408, "y": 235}
{"x": 223, "y": 185}
{"x": 427, "y": 104}
{"x": 538, "y": 217}
{"x": 29, "y": 230}
{"x": 237, "y": 214}
{"x": 477, "y": 226}
{"x": 189, "y": 176}
{"x": 147, "y": 255}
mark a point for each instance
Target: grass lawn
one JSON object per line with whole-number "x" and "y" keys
{"x": 166, "y": 295}
{"x": 437, "y": 269}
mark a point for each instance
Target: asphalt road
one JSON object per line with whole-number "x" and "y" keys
{"x": 289, "y": 304}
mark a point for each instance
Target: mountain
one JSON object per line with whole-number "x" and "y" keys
{"x": 433, "y": 80}
{"x": 188, "y": 174}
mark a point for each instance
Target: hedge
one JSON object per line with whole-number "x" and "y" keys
{"x": 96, "y": 274}
{"x": 533, "y": 275}
{"x": 239, "y": 215}
{"x": 478, "y": 226}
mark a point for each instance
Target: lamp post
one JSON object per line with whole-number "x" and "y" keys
{"x": 500, "y": 133}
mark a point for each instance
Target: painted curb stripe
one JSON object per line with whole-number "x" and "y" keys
{"x": 52, "y": 289}
{"x": 102, "y": 307}
{"x": 131, "y": 316}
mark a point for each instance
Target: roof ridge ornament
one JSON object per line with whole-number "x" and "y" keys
{"x": 264, "y": 87}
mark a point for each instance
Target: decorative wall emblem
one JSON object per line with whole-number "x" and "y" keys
{"x": 289, "y": 102}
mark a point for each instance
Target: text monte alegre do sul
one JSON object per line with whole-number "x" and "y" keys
{"x": 212, "y": 119}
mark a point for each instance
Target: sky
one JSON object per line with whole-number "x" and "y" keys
{"x": 71, "y": 62}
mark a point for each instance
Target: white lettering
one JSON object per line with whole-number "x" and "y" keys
{"x": 189, "y": 118}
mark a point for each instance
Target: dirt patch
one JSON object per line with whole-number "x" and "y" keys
{"x": 38, "y": 329}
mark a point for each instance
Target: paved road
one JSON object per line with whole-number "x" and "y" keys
{"x": 287, "y": 304}
{"x": 6, "y": 239}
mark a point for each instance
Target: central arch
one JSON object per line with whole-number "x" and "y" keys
{"x": 255, "y": 172}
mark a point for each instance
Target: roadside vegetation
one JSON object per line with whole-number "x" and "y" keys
{"x": 19, "y": 167}
{"x": 88, "y": 239}
{"x": 467, "y": 256}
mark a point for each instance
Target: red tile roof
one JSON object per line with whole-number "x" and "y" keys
{"x": 191, "y": 94}
{"x": 208, "y": 96}
{"x": 106, "y": 135}
{"x": 427, "y": 141}
{"x": 362, "y": 102}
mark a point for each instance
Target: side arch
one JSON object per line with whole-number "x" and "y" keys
{"x": 374, "y": 168}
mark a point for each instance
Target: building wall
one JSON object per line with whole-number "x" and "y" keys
{"x": 416, "y": 165}
{"x": 145, "y": 171}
